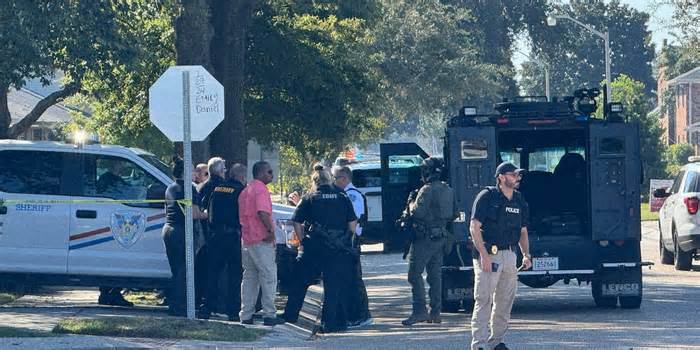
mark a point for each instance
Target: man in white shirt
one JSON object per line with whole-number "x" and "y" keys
{"x": 358, "y": 303}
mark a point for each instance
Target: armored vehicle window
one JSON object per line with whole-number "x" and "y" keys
{"x": 547, "y": 159}
{"x": 115, "y": 178}
{"x": 677, "y": 182}
{"x": 474, "y": 149}
{"x": 612, "y": 146}
{"x": 691, "y": 182}
{"x": 31, "y": 172}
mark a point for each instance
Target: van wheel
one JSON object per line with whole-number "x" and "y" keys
{"x": 665, "y": 255}
{"x": 630, "y": 302}
{"x": 682, "y": 260}
{"x": 600, "y": 300}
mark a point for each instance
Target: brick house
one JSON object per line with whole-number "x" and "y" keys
{"x": 681, "y": 121}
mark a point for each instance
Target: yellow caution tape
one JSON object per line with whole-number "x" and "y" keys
{"x": 184, "y": 202}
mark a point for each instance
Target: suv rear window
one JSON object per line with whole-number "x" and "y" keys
{"x": 691, "y": 182}
{"x": 31, "y": 172}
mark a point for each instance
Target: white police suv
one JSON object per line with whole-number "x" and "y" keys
{"x": 83, "y": 215}
{"x": 679, "y": 220}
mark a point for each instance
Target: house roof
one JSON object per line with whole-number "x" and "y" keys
{"x": 691, "y": 76}
{"x": 21, "y": 102}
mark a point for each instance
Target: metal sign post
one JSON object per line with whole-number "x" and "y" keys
{"x": 195, "y": 93}
{"x": 189, "y": 225}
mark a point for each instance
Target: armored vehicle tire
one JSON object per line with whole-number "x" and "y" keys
{"x": 601, "y": 301}
{"x": 630, "y": 302}
{"x": 682, "y": 260}
{"x": 665, "y": 255}
{"x": 451, "y": 306}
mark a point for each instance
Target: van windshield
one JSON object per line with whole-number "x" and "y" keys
{"x": 156, "y": 162}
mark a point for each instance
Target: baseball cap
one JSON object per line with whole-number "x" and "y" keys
{"x": 507, "y": 167}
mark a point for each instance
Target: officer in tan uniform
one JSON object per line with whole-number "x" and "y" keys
{"x": 499, "y": 223}
{"x": 432, "y": 210}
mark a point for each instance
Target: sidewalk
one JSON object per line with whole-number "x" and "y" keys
{"x": 43, "y": 311}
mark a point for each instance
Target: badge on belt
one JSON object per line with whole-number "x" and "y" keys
{"x": 494, "y": 249}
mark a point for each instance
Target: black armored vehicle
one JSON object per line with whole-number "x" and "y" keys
{"x": 582, "y": 185}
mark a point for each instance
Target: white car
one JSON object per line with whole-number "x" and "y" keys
{"x": 679, "y": 220}
{"x": 57, "y": 225}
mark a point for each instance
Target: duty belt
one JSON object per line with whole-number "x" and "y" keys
{"x": 495, "y": 248}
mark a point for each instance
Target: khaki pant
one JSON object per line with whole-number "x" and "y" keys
{"x": 259, "y": 272}
{"x": 494, "y": 293}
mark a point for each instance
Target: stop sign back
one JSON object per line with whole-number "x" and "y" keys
{"x": 166, "y": 102}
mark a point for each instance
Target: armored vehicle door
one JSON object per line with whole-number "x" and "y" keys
{"x": 400, "y": 173}
{"x": 472, "y": 162}
{"x": 615, "y": 172}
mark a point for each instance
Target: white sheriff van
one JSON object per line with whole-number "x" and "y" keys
{"x": 57, "y": 225}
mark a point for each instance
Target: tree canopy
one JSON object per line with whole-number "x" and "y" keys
{"x": 41, "y": 37}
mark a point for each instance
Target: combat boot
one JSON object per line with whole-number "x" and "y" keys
{"x": 435, "y": 318}
{"x": 413, "y": 319}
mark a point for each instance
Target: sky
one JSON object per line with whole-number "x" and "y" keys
{"x": 659, "y": 20}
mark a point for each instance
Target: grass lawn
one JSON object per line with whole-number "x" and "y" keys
{"x": 8, "y": 297}
{"x": 12, "y": 332}
{"x": 143, "y": 297}
{"x": 647, "y": 215}
{"x": 152, "y": 327}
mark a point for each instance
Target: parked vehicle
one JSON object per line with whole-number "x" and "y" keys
{"x": 57, "y": 226}
{"x": 679, "y": 221}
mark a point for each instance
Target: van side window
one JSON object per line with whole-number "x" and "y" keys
{"x": 31, "y": 172}
{"x": 115, "y": 178}
{"x": 691, "y": 181}
{"x": 677, "y": 182}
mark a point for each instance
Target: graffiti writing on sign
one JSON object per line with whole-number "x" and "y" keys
{"x": 204, "y": 101}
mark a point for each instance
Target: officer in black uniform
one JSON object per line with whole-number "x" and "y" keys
{"x": 498, "y": 226}
{"x": 224, "y": 244}
{"x": 329, "y": 223}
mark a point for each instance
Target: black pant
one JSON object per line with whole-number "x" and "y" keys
{"x": 357, "y": 302}
{"x": 224, "y": 254}
{"x": 174, "y": 239}
{"x": 337, "y": 274}
{"x": 305, "y": 272}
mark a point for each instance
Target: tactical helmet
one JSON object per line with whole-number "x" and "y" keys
{"x": 431, "y": 168}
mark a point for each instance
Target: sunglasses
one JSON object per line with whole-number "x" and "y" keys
{"x": 269, "y": 172}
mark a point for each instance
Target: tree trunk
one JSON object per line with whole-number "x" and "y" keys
{"x": 193, "y": 33}
{"x": 230, "y": 20}
{"x": 5, "y": 118}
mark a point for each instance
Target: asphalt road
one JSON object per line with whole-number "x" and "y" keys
{"x": 558, "y": 317}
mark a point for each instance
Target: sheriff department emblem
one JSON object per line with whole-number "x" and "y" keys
{"x": 127, "y": 227}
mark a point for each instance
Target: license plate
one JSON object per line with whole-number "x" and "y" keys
{"x": 545, "y": 264}
{"x": 459, "y": 293}
{"x": 620, "y": 289}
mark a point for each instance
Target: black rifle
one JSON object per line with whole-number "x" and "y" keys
{"x": 405, "y": 224}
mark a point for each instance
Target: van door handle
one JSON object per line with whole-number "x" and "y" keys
{"x": 3, "y": 210}
{"x": 86, "y": 214}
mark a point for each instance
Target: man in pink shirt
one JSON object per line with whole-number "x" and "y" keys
{"x": 258, "y": 255}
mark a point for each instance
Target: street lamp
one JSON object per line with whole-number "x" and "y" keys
{"x": 552, "y": 21}
{"x": 546, "y": 72}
